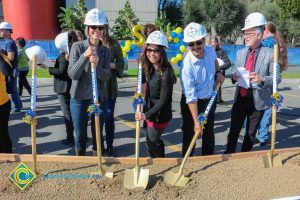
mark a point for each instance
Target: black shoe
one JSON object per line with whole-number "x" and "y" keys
{"x": 103, "y": 152}
{"x": 68, "y": 142}
{"x": 220, "y": 101}
{"x": 110, "y": 151}
{"x": 262, "y": 144}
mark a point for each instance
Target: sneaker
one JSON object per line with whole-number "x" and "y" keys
{"x": 261, "y": 143}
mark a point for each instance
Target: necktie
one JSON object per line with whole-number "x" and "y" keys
{"x": 249, "y": 66}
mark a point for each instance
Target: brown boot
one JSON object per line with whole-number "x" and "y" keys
{"x": 80, "y": 152}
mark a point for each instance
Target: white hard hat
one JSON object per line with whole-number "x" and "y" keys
{"x": 254, "y": 20}
{"x": 61, "y": 42}
{"x": 5, "y": 25}
{"x": 157, "y": 38}
{"x": 36, "y": 50}
{"x": 194, "y": 32}
{"x": 95, "y": 17}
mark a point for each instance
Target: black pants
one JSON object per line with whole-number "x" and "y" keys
{"x": 155, "y": 144}
{"x": 208, "y": 137}
{"x": 23, "y": 82}
{"x": 64, "y": 100}
{"x": 5, "y": 142}
{"x": 243, "y": 106}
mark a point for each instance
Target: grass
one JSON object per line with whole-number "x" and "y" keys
{"x": 43, "y": 73}
{"x": 290, "y": 75}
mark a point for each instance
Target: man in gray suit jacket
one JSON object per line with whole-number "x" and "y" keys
{"x": 251, "y": 102}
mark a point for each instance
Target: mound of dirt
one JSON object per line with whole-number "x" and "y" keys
{"x": 233, "y": 179}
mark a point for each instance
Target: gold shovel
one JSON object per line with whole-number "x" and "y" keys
{"x": 102, "y": 172}
{"x": 137, "y": 177}
{"x": 178, "y": 179}
{"x": 271, "y": 159}
{"x": 33, "y": 108}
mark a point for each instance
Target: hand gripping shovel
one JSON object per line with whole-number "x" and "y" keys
{"x": 271, "y": 159}
{"x": 178, "y": 179}
{"x": 137, "y": 177}
{"x": 96, "y": 111}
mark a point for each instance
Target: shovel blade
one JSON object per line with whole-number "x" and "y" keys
{"x": 136, "y": 177}
{"x": 109, "y": 174}
{"x": 272, "y": 160}
{"x": 176, "y": 179}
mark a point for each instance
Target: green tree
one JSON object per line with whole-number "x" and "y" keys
{"x": 218, "y": 16}
{"x": 163, "y": 23}
{"x": 73, "y": 17}
{"x": 289, "y": 8}
{"x": 124, "y": 23}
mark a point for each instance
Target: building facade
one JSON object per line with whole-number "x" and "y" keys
{"x": 37, "y": 19}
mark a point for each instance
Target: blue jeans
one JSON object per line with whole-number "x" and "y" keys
{"x": 80, "y": 121}
{"x": 263, "y": 128}
{"x": 17, "y": 104}
{"x": 109, "y": 121}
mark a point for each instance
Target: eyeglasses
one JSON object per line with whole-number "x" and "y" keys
{"x": 100, "y": 28}
{"x": 249, "y": 34}
{"x": 191, "y": 44}
{"x": 156, "y": 51}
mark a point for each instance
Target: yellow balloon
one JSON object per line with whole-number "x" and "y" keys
{"x": 178, "y": 30}
{"x": 124, "y": 54}
{"x": 174, "y": 60}
{"x": 127, "y": 43}
{"x": 137, "y": 31}
{"x": 170, "y": 39}
{"x": 126, "y": 49}
{"x": 182, "y": 48}
{"x": 176, "y": 40}
{"x": 179, "y": 57}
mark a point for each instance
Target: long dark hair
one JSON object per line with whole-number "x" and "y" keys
{"x": 72, "y": 38}
{"x": 163, "y": 65}
{"x": 21, "y": 41}
{"x": 107, "y": 40}
{"x": 281, "y": 44}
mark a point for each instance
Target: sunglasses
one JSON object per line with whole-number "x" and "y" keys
{"x": 156, "y": 51}
{"x": 100, "y": 28}
{"x": 191, "y": 44}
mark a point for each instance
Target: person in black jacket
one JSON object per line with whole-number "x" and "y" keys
{"x": 223, "y": 61}
{"x": 62, "y": 85}
{"x": 158, "y": 77}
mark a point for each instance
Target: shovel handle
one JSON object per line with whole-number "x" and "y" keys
{"x": 33, "y": 107}
{"x": 273, "y": 132}
{"x": 137, "y": 138}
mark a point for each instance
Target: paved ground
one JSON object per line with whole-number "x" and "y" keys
{"x": 51, "y": 130}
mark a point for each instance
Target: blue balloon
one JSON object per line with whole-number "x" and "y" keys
{"x": 173, "y": 34}
{"x": 130, "y": 53}
{"x": 180, "y": 63}
{"x": 133, "y": 47}
{"x": 177, "y": 45}
{"x": 180, "y": 36}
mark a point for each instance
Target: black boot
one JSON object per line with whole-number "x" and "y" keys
{"x": 110, "y": 151}
{"x": 80, "y": 152}
{"x": 103, "y": 152}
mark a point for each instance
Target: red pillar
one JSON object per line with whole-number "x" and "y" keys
{"x": 32, "y": 19}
